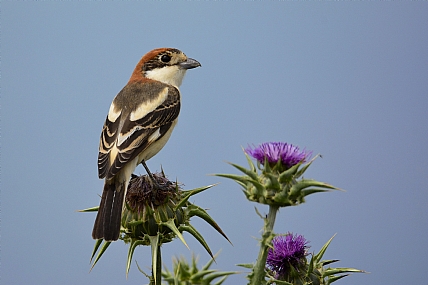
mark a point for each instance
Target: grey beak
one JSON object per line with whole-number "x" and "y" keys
{"x": 189, "y": 63}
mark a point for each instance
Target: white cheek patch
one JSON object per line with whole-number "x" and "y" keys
{"x": 172, "y": 75}
{"x": 148, "y": 106}
{"x": 113, "y": 114}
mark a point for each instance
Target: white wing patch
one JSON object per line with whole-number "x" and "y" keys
{"x": 123, "y": 137}
{"x": 113, "y": 114}
{"x": 154, "y": 136}
{"x": 148, "y": 106}
{"x": 113, "y": 154}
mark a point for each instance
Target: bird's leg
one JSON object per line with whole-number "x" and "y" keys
{"x": 152, "y": 178}
{"x": 148, "y": 171}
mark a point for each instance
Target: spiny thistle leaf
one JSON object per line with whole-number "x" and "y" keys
{"x": 246, "y": 265}
{"x": 273, "y": 179}
{"x": 93, "y": 209}
{"x": 313, "y": 191}
{"x": 215, "y": 275}
{"x": 154, "y": 244}
{"x": 252, "y": 174}
{"x": 210, "y": 262}
{"x": 335, "y": 278}
{"x": 340, "y": 270}
{"x": 171, "y": 225}
{"x": 260, "y": 188}
{"x": 310, "y": 266}
{"x": 194, "y": 210}
{"x": 243, "y": 185}
{"x": 186, "y": 274}
{"x": 305, "y": 183}
{"x": 327, "y": 262}
{"x": 237, "y": 178}
{"x": 305, "y": 167}
{"x": 133, "y": 245}
{"x": 287, "y": 175}
{"x": 188, "y": 194}
{"x": 102, "y": 250}
{"x": 201, "y": 274}
{"x": 97, "y": 245}
{"x": 243, "y": 181}
{"x": 250, "y": 162}
{"x": 319, "y": 255}
{"x": 190, "y": 229}
{"x": 221, "y": 281}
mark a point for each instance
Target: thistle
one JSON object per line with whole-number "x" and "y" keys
{"x": 150, "y": 209}
{"x": 287, "y": 257}
{"x": 156, "y": 212}
{"x": 185, "y": 273}
{"x": 287, "y": 263}
{"x": 277, "y": 181}
{"x": 284, "y": 154}
{"x": 280, "y": 166}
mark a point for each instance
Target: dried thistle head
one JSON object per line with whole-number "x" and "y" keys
{"x": 150, "y": 204}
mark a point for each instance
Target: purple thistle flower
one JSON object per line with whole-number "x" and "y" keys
{"x": 287, "y": 251}
{"x": 288, "y": 154}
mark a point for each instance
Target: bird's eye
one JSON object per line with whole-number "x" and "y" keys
{"x": 165, "y": 58}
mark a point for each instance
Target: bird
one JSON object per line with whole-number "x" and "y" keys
{"x": 138, "y": 125}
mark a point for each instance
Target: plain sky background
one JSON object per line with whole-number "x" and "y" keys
{"x": 348, "y": 80}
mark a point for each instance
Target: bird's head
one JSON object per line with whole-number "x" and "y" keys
{"x": 167, "y": 65}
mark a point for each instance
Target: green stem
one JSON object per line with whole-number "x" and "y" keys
{"x": 156, "y": 260}
{"x": 158, "y": 279}
{"x": 259, "y": 267}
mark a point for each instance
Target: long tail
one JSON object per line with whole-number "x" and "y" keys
{"x": 107, "y": 223}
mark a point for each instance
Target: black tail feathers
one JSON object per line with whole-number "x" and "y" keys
{"x": 107, "y": 223}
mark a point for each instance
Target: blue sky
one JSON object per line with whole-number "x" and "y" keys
{"x": 347, "y": 80}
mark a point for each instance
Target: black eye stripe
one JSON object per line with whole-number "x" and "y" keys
{"x": 159, "y": 61}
